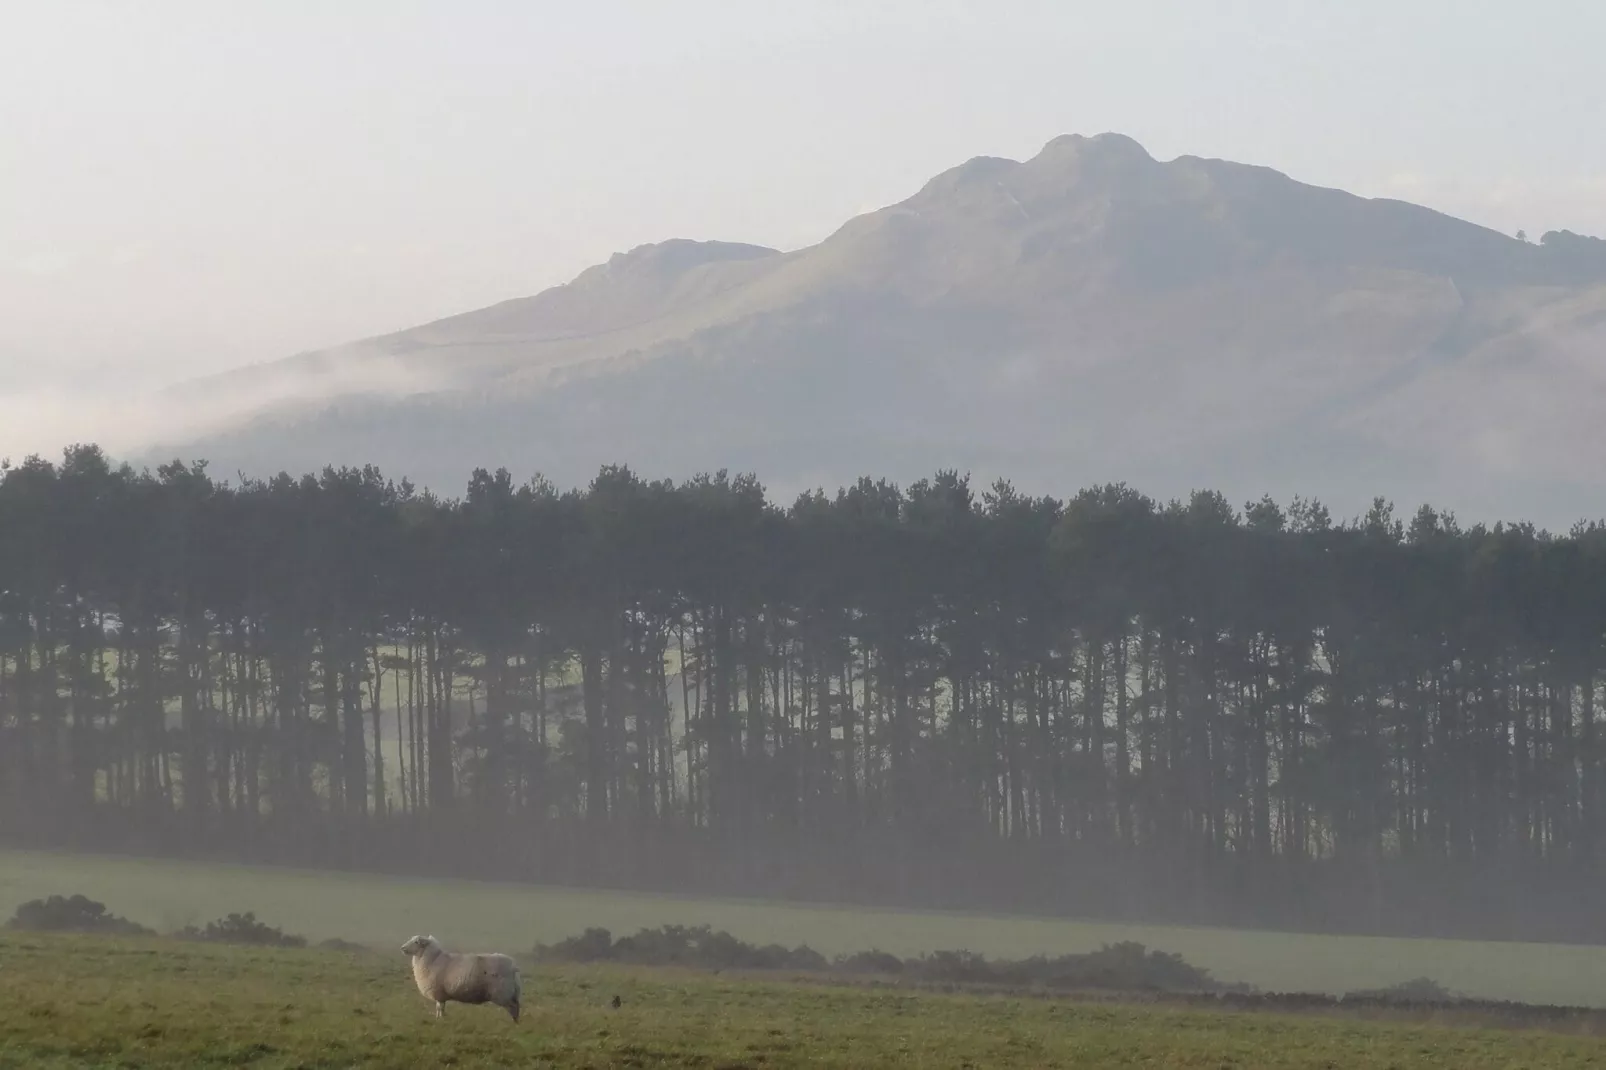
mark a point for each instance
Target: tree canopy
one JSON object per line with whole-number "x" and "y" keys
{"x": 926, "y": 695}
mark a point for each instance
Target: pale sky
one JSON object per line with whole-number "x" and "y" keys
{"x": 187, "y": 186}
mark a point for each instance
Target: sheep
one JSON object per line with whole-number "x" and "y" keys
{"x": 443, "y": 975}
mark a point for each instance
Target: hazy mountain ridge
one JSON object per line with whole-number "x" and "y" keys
{"x": 1087, "y": 314}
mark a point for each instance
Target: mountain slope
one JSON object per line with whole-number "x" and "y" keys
{"x": 1085, "y": 315}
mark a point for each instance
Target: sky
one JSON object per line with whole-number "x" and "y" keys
{"x": 187, "y": 187}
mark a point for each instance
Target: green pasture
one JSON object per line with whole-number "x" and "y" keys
{"x": 71, "y": 1001}
{"x": 382, "y": 912}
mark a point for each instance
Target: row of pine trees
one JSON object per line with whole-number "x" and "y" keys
{"x": 927, "y": 694}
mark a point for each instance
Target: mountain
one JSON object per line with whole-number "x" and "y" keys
{"x": 1088, "y": 315}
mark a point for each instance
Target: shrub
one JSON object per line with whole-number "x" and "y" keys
{"x": 1416, "y": 990}
{"x": 74, "y": 913}
{"x": 954, "y": 967}
{"x": 697, "y": 946}
{"x": 593, "y": 945}
{"x": 802, "y": 957}
{"x": 242, "y": 929}
{"x": 334, "y": 943}
{"x": 1128, "y": 966}
{"x": 872, "y": 961}
{"x": 1124, "y": 967}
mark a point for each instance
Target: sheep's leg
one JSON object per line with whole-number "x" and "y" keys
{"x": 440, "y": 1008}
{"x": 513, "y": 1009}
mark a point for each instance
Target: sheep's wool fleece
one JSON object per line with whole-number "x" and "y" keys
{"x": 465, "y": 977}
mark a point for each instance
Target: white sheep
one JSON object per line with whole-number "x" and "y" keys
{"x": 443, "y": 975}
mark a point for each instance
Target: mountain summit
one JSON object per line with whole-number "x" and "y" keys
{"x": 1091, "y": 314}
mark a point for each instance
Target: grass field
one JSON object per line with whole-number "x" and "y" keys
{"x": 73, "y": 1001}
{"x": 383, "y": 911}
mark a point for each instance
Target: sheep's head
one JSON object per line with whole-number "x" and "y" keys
{"x": 417, "y": 945}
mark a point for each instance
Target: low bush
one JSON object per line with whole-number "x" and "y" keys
{"x": 696, "y": 946}
{"x": 593, "y": 945}
{"x": 1128, "y": 966}
{"x": 872, "y": 961}
{"x": 1124, "y": 966}
{"x": 1416, "y": 990}
{"x": 334, "y": 943}
{"x": 74, "y": 913}
{"x": 241, "y": 929}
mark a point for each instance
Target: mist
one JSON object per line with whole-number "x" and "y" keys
{"x": 126, "y": 420}
{"x": 884, "y": 471}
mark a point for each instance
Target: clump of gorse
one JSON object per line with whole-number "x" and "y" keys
{"x": 464, "y": 977}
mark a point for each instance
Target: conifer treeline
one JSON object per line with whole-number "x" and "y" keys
{"x": 925, "y": 694}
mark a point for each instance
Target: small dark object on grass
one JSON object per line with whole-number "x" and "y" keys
{"x": 616, "y": 1003}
